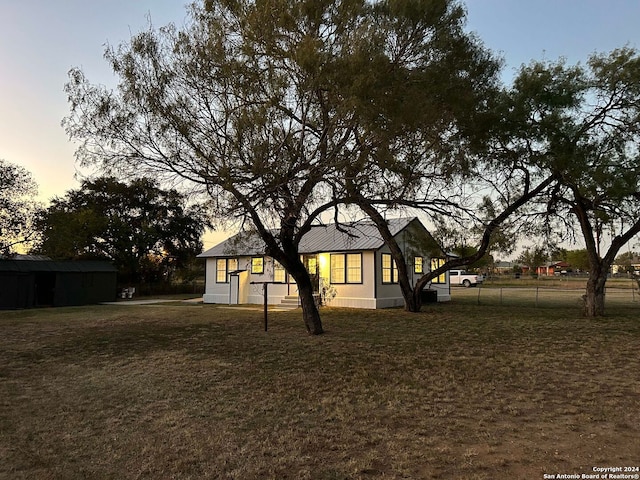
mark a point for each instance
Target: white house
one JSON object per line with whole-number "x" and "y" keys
{"x": 350, "y": 266}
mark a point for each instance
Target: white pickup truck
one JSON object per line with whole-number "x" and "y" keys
{"x": 460, "y": 277}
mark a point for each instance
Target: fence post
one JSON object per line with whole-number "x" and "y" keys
{"x": 537, "y": 288}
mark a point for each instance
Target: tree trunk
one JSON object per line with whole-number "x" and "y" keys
{"x": 310, "y": 313}
{"x": 413, "y": 302}
{"x": 594, "y": 296}
{"x": 409, "y": 294}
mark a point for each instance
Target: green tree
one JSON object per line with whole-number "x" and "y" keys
{"x": 578, "y": 259}
{"x": 533, "y": 257}
{"x": 582, "y": 124}
{"x": 147, "y": 232}
{"x": 269, "y": 106}
{"x": 627, "y": 260}
{"x": 18, "y": 207}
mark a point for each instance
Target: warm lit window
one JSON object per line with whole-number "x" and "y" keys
{"x": 346, "y": 268}
{"x": 257, "y": 265}
{"x": 312, "y": 265}
{"x": 436, "y": 263}
{"x": 221, "y": 270}
{"x": 279, "y": 273}
{"x": 389, "y": 269}
{"x": 417, "y": 265}
{"x": 223, "y": 267}
{"x": 337, "y": 268}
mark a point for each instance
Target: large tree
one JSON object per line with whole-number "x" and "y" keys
{"x": 442, "y": 153}
{"x": 266, "y": 104}
{"x": 18, "y": 207}
{"x": 146, "y": 231}
{"x": 582, "y": 124}
{"x": 458, "y": 171}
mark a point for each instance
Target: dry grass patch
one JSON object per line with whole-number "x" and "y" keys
{"x": 185, "y": 391}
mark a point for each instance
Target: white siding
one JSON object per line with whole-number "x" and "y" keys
{"x": 357, "y": 295}
{"x": 248, "y": 293}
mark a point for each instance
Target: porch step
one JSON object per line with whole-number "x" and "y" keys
{"x": 290, "y": 302}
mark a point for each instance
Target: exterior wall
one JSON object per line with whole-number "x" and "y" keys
{"x": 214, "y": 292}
{"x": 353, "y": 295}
{"x": 248, "y": 293}
{"x": 443, "y": 289}
{"x": 17, "y": 290}
{"x": 390, "y": 295}
{"x": 20, "y": 289}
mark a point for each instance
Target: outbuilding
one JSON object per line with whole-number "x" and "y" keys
{"x": 33, "y": 282}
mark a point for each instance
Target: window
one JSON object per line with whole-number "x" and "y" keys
{"x": 223, "y": 267}
{"x": 221, "y": 270}
{"x": 311, "y": 262}
{"x": 346, "y": 268}
{"x": 257, "y": 265}
{"x": 354, "y": 268}
{"x": 389, "y": 269}
{"x": 279, "y": 273}
{"x": 436, "y": 263}
{"x": 337, "y": 268}
{"x": 417, "y": 265}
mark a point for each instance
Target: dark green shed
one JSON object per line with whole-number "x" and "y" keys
{"x": 36, "y": 283}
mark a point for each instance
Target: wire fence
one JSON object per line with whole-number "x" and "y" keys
{"x": 541, "y": 297}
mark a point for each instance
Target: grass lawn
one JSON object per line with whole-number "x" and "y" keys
{"x": 179, "y": 391}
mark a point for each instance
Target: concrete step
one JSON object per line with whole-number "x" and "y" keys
{"x": 289, "y": 302}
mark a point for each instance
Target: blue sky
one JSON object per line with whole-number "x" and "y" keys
{"x": 525, "y": 30}
{"x": 40, "y": 40}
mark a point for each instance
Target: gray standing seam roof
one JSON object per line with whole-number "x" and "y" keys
{"x": 321, "y": 238}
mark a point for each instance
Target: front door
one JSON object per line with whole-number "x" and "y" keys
{"x": 234, "y": 289}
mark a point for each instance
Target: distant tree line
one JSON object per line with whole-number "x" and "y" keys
{"x": 152, "y": 235}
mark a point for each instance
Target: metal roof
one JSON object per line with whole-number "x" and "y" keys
{"x": 362, "y": 235}
{"x": 54, "y": 266}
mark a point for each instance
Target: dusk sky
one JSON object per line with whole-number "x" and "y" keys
{"x": 40, "y": 40}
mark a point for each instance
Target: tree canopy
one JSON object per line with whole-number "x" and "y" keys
{"x": 582, "y": 125}
{"x": 146, "y": 231}
{"x": 18, "y": 206}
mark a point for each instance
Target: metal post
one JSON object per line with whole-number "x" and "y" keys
{"x": 265, "y": 291}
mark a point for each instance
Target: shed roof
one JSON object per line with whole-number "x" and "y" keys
{"x": 87, "y": 266}
{"x": 361, "y": 235}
